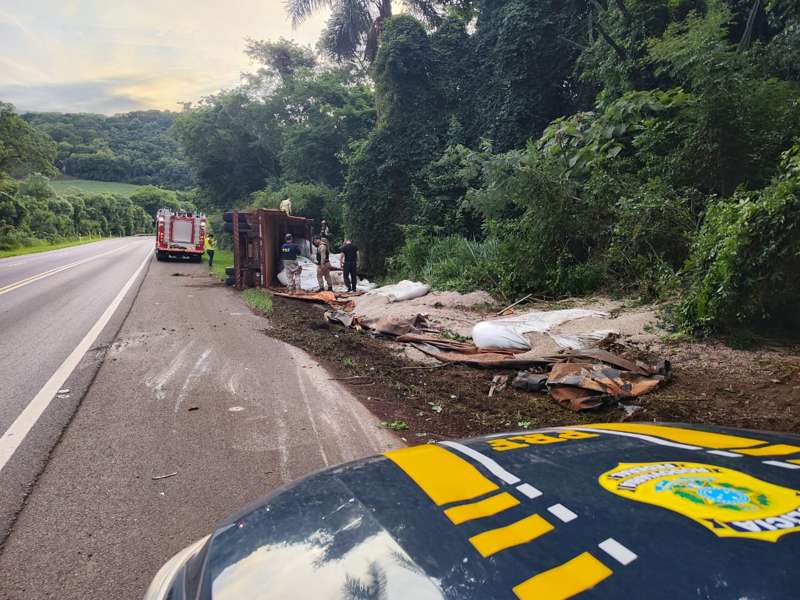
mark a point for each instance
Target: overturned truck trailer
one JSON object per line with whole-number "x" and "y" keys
{"x": 257, "y": 238}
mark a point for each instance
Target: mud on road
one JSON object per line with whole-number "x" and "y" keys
{"x": 711, "y": 384}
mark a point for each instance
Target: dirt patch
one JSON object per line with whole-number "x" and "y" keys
{"x": 711, "y": 384}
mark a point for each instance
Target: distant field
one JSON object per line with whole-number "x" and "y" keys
{"x": 100, "y": 187}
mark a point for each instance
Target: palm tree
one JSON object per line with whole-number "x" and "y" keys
{"x": 355, "y": 25}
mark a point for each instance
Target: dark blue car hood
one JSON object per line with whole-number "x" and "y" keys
{"x": 601, "y": 511}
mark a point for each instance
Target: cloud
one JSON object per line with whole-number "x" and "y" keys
{"x": 76, "y": 55}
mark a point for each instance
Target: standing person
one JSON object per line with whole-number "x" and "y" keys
{"x": 350, "y": 264}
{"x": 289, "y": 253}
{"x": 323, "y": 263}
{"x": 324, "y": 230}
{"x": 286, "y": 206}
{"x": 211, "y": 245}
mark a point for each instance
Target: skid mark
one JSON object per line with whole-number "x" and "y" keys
{"x": 199, "y": 369}
{"x": 160, "y": 380}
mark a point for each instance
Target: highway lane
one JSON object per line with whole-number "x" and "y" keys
{"x": 48, "y": 304}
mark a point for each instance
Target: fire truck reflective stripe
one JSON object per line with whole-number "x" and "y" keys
{"x": 785, "y": 465}
{"x": 483, "y": 508}
{"x": 771, "y": 450}
{"x": 494, "y": 468}
{"x": 442, "y": 475}
{"x": 523, "y": 531}
{"x": 529, "y": 490}
{"x": 617, "y": 551}
{"x": 724, "y": 453}
{"x": 564, "y": 581}
{"x": 562, "y": 512}
{"x": 704, "y": 439}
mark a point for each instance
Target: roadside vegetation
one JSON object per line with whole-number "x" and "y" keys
{"x": 61, "y": 185}
{"x": 259, "y": 300}
{"x": 637, "y": 148}
{"x": 222, "y": 260}
{"x": 45, "y": 247}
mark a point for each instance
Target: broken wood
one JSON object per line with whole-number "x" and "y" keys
{"x": 510, "y": 306}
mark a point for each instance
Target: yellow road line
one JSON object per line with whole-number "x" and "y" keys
{"x": 483, "y": 508}
{"x": 441, "y": 474}
{"x": 33, "y": 278}
{"x": 695, "y": 437}
{"x": 771, "y": 450}
{"x": 564, "y": 581}
{"x": 523, "y": 531}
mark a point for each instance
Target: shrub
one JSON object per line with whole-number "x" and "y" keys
{"x": 744, "y": 265}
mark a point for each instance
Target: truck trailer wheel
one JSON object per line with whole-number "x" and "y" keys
{"x": 160, "y": 256}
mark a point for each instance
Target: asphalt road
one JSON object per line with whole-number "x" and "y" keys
{"x": 48, "y": 304}
{"x": 186, "y": 382}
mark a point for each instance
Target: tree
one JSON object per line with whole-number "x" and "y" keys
{"x": 354, "y": 26}
{"x": 23, "y": 149}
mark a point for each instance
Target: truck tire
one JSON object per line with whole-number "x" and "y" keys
{"x": 227, "y": 217}
{"x": 160, "y": 256}
{"x": 196, "y": 258}
{"x": 230, "y": 271}
{"x": 230, "y": 281}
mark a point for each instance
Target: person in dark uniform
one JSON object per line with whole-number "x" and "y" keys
{"x": 350, "y": 264}
{"x": 289, "y": 253}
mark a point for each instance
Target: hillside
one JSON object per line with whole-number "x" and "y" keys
{"x": 133, "y": 147}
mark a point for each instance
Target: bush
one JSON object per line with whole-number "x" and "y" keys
{"x": 449, "y": 263}
{"x": 744, "y": 266}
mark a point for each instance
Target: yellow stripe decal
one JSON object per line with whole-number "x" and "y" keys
{"x": 441, "y": 474}
{"x": 794, "y": 460}
{"x": 564, "y": 581}
{"x": 695, "y": 437}
{"x": 483, "y": 508}
{"x": 772, "y": 450}
{"x": 493, "y": 541}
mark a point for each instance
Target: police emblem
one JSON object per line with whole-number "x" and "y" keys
{"x": 727, "y": 502}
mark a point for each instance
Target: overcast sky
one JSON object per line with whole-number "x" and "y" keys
{"x": 112, "y": 56}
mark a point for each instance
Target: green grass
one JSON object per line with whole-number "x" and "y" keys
{"x": 222, "y": 260}
{"x": 98, "y": 187}
{"x": 258, "y": 300}
{"x": 46, "y": 247}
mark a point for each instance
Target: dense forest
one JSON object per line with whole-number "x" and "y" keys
{"x": 31, "y": 211}
{"x": 134, "y": 147}
{"x": 640, "y": 147}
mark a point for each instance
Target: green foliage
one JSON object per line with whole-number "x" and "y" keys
{"x": 313, "y": 201}
{"x": 386, "y": 167}
{"x": 23, "y": 149}
{"x": 744, "y": 265}
{"x": 31, "y": 212}
{"x": 151, "y": 199}
{"x": 257, "y": 299}
{"x": 133, "y": 147}
{"x": 62, "y": 185}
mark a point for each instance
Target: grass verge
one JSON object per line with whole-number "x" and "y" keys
{"x": 46, "y": 247}
{"x": 222, "y": 260}
{"x": 258, "y": 300}
{"x": 95, "y": 187}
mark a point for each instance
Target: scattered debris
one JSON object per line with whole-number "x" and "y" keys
{"x": 64, "y": 391}
{"x": 328, "y": 298}
{"x": 395, "y": 425}
{"x": 180, "y": 274}
{"x": 510, "y": 306}
{"x": 192, "y": 408}
{"x": 499, "y": 383}
{"x": 155, "y": 477}
{"x": 396, "y": 326}
{"x": 530, "y": 382}
{"x": 236, "y": 409}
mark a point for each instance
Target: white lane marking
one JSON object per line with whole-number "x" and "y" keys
{"x": 22, "y": 425}
{"x": 724, "y": 453}
{"x": 779, "y": 463}
{"x": 494, "y": 468}
{"x": 529, "y": 490}
{"x": 562, "y": 512}
{"x": 640, "y": 436}
{"x": 617, "y": 551}
{"x": 33, "y": 278}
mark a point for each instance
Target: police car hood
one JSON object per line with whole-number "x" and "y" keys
{"x": 601, "y": 511}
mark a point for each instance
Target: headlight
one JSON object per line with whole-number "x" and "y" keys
{"x": 163, "y": 580}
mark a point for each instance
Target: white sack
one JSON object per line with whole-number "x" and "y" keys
{"x": 581, "y": 341}
{"x": 540, "y": 321}
{"x": 404, "y": 290}
{"x": 489, "y": 334}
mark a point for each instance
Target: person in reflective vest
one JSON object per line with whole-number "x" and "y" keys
{"x": 211, "y": 245}
{"x": 289, "y": 253}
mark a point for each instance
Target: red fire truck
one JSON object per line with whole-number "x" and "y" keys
{"x": 180, "y": 234}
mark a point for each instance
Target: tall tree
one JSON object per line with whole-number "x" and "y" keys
{"x": 23, "y": 149}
